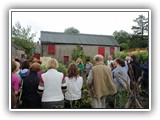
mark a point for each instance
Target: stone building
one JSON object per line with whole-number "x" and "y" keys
{"x": 61, "y": 45}
{"x": 17, "y": 51}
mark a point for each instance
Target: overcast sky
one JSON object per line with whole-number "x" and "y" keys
{"x": 102, "y": 23}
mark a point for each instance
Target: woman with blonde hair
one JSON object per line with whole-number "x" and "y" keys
{"x": 80, "y": 66}
{"x": 51, "y": 84}
{"x": 74, "y": 85}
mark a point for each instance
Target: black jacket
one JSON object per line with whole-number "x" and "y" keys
{"x": 30, "y": 97}
{"x": 136, "y": 69}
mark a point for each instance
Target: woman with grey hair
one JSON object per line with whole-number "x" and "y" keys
{"x": 51, "y": 84}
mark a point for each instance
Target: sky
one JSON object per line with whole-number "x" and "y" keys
{"x": 101, "y": 23}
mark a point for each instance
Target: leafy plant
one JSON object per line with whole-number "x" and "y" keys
{"x": 62, "y": 68}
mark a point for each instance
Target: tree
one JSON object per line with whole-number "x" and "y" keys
{"x": 23, "y": 37}
{"x": 123, "y": 38}
{"x": 124, "y": 46}
{"x": 71, "y": 30}
{"x": 140, "y": 35}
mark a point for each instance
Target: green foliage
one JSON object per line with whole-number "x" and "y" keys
{"x": 121, "y": 36}
{"x": 140, "y": 37}
{"x": 121, "y": 55}
{"x": 86, "y": 100}
{"x": 78, "y": 53}
{"x": 71, "y": 30}
{"x": 25, "y": 44}
{"x": 44, "y": 68}
{"x": 74, "y": 54}
{"x": 23, "y": 37}
{"x": 142, "y": 25}
{"x": 141, "y": 56}
{"x": 124, "y": 46}
{"x": 62, "y": 68}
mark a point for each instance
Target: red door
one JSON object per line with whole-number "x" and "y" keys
{"x": 111, "y": 50}
{"x": 66, "y": 59}
{"x": 51, "y": 49}
{"x": 37, "y": 56}
{"x": 101, "y": 51}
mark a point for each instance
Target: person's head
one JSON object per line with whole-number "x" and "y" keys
{"x": 79, "y": 60}
{"x": 72, "y": 70}
{"x": 14, "y": 66}
{"x": 52, "y": 63}
{"x": 119, "y": 62}
{"x": 133, "y": 58}
{"x": 109, "y": 58}
{"x": 127, "y": 58}
{"x": 25, "y": 65}
{"x": 31, "y": 60}
{"x": 87, "y": 60}
{"x": 98, "y": 59}
{"x": 35, "y": 67}
{"x": 37, "y": 61}
{"x": 16, "y": 59}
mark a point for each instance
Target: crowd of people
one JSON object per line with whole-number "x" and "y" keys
{"x": 32, "y": 88}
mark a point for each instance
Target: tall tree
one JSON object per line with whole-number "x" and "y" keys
{"x": 23, "y": 37}
{"x": 71, "y": 30}
{"x": 141, "y": 31}
{"x": 123, "y": 38}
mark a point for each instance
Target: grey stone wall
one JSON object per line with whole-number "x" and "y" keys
{"x": 66, "y": 50}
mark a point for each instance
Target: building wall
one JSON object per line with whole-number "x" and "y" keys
{"x": 66, "y": 50}
{"x": 16, "y": 53}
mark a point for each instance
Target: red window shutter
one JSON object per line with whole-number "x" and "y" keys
{"x": 111, "y": 50}
{"x": 51, "y": 49}
{"x": 37, "y": 56}
{"x": 66, "y": 59}
{"x": 101, "y": 51}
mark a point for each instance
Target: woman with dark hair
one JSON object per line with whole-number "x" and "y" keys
{"x": 30, "y": 97}
{"x": 137, "y": 70}
{"x": 41, "y": 71}
{"x": 118, "y": 73}
{"x": 74, "y": 85}
{"x": 24, "y": 69}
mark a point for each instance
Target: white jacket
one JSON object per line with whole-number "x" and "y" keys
{"x": 74, "y": 87}
{"x": 52, "y": 86}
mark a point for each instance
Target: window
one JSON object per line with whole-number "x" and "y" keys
{"x": 66, "y": 59}
{"x": 101, "y": 51}
{"x": 51, "y": 49}
{"x": 111, "y": 50}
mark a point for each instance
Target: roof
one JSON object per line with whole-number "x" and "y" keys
{"x": 17, "y": 47}
{"x": 80, "y": 39}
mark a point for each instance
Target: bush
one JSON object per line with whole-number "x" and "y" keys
{"x": 62, "y": 68}
{"x": 124, "y": 46}
{"x": 141, "y": 56}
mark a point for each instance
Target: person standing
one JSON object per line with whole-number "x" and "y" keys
{"x": 74, "y": 84}
{"x": 50, "y": 86}
{"x": 118, "y": 72}
{"x": 80, "y": 66}
{"x": 100, "y": 83}
{"x": 30, "y": 97}
{"x": 15, "y": 79}
{"x": 88, "y": 66}
{"x": 110, "y": 62}
{"x": 137, "y": 70}
{"x": 24, "y": 69}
